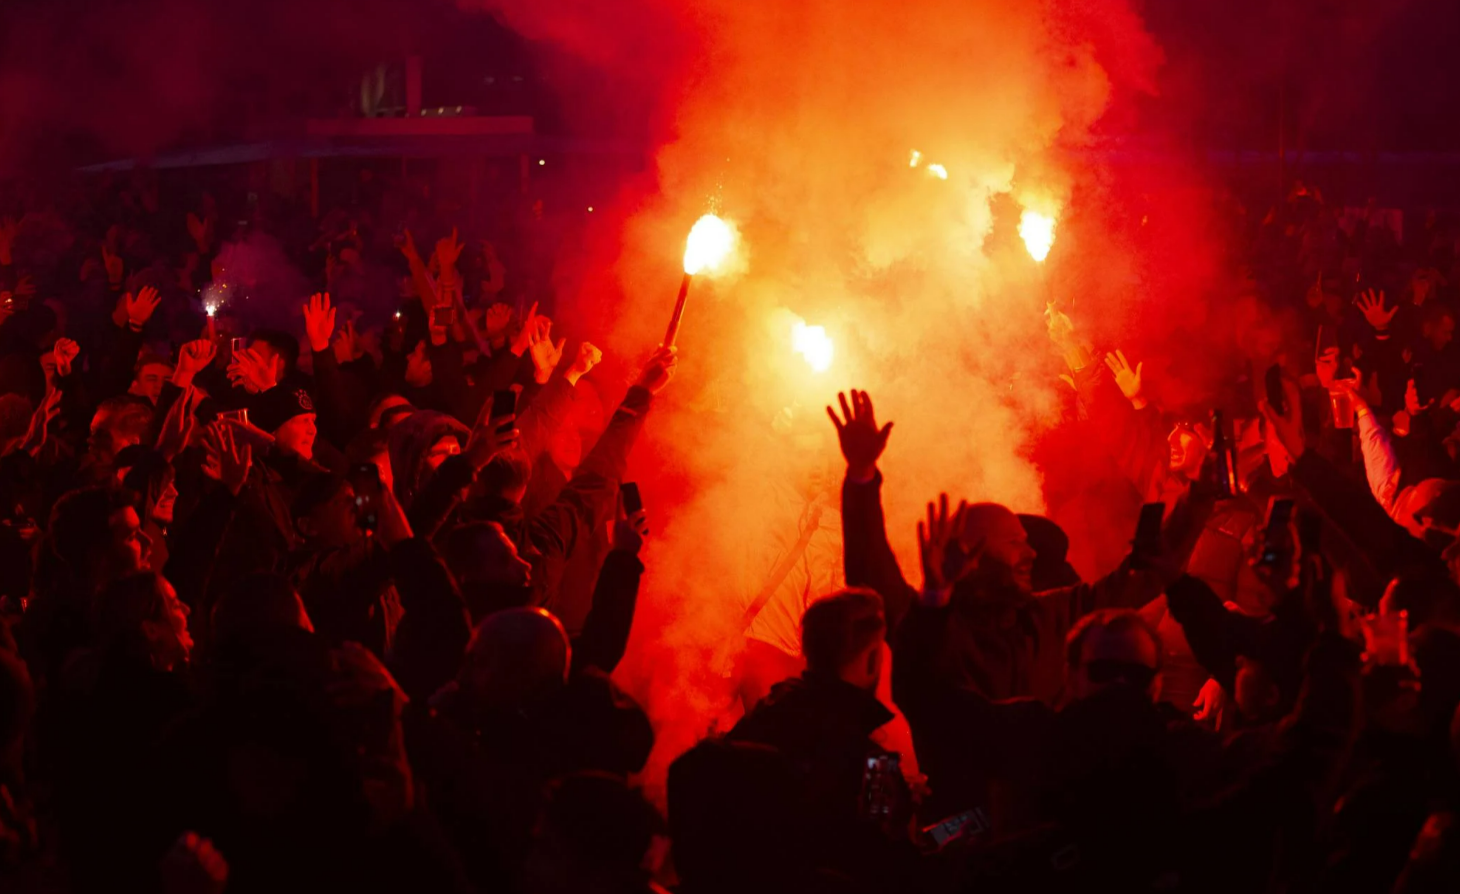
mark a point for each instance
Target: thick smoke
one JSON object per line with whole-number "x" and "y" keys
{"x": 799, "y": 121}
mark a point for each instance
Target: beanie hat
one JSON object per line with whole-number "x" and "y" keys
{"x": 278, "y": 405}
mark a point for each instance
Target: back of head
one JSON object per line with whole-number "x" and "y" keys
{"x": 283, "y": 344}
{"x": 1051, "y": 548}
{"x": 505, "y": 477}
{"x": 1112, "y": 646}
{"x": 120, "y": 422}
{"x": 736, "y": 813}
{"x": 516, "y": 657}
{"x": 839, "y": 628}
{"x": 80, "y": 525}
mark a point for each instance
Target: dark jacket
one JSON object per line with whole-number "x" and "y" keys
{"x": 1004, "y": 645}
{"x": 824, "y": 726}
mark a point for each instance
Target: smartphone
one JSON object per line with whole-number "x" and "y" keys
{"x": 956, "y": 828}
{"x": 1147, "y": 541}
{"x": 1327, "y": 339}
{"x": 633, "y": 500}
{"x": 240, "y": 415}
{"x": 879, "y": 785}
{"x": 1276, "y": 397}
{"x": 504, "y": 403}
{"x": 365, "y": 481}
{"x": 238, "y": 346}
{"x": 442, "y": 315}
{"x": 1277, "y": 541}
{"x": 1424, "y": 384}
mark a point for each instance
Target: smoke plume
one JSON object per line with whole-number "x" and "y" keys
{"x": 815, "y": 126}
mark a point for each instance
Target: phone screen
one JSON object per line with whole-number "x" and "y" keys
{"x": 1276, "y": 398}
{"x": 365, "y": 481}
{"x": 1277, "y": 542}
{"x": 633, "y": 500}
{"x": 1148, "y": 530}
{"x": 442, "y": 315}
{"x": 504, "y": 403}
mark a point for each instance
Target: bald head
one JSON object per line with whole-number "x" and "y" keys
{"x": 515, "y": 657}
{"x": 995, "y": 534}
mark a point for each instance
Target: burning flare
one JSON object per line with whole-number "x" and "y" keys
{"x": 812, "y": 343}
{"x": 1037, "y": 231}
{"x": 916, "y": 157}
{"x": 710, "y": 241}
{"x": 938, "y": 171}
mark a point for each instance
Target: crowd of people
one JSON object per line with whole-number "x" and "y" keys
{"x": 337, "y": 607}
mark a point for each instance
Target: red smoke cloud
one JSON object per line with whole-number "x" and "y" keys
{"x": 798, "y": 121}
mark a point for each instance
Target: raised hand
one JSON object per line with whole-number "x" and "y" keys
{"x": 193, "y": 359}
{"x": 1288, "y": 428}
{"x": 944, "y": 557}
{"x": 659, "y": 370}
{"x": 225, "y": 460}
{"x": 490, "y": 437}
{"x": 349, "y": 346}
{"x": 250, "y": 372}
{"x": 138, "y": 308}
{"x": 523, "y": 339}
{"x": 588, "y": 357}
{"x": 1128, "y": 379}
{"x": 65, "y": 351}
{"x": 448, "y": 249}
{"x": 40, "y": 422}
{"x": 1371, "y": 304}
{"x": 408, "y": 246}
{"x": 319, "y": 321}
{"x": 861, "y": 440}
{"x": 498, "y": 318}
{"x": 201, "y": 231}
{"x": 546, "y": 354}
{"x": 1411, "y": 400}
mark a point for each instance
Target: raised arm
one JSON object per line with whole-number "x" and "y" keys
{"x": 605, "y": 633}
{"x": 867, "y": 557}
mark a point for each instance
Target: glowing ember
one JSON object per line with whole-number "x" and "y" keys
{"x": 1037, "y": 231}
{"x": 938, "y": 171}
{"x": 916, "y": 157}
{"x": 812, "y": 343}
{"x": 710, "y": 241}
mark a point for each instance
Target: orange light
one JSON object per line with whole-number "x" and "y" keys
{"x": 812, "y": 343}
{"x": 710, "y": 241}
{"x": 1037, "y": 231}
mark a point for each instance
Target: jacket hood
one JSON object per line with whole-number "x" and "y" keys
{"x": 410, "y": 440}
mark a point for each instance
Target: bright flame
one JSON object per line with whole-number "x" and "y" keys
{"x": 814, "y": 344}
{"x": 938, "y": 171}
{"x": 710, "y": 241}
{"x": 1037, "y": 231}
{"x": 916, "y": 157}
{"x": 210, "y": 309}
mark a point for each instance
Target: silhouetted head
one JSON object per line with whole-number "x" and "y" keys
{"x": 841, "y": 636}
{"x": 1112, "y": 647}
{"x": 516, "y": 657}
{"x": 1004, "y": 558}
